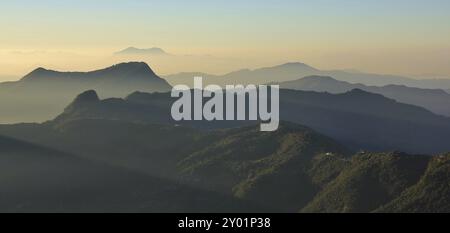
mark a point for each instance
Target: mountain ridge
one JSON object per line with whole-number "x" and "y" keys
{"x": 435, "y": 100}
{"x": 138, "y": 51}
{"x": 295, "y": 70}
{"x": 43, "y": 93}
{"x": 357, "y": 119}
{"x": 126, "y": 68}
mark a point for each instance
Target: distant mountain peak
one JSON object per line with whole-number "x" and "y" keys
{"x": 40, "y": 69}
{"x": 139, "y": 51}
{"x": 115, "y": 81}
{"x": 296, "y": 65}
{"x": 137, "y": 64}
{"x": 132, "y": 63}
{"x": 126, "y": 69}
{"x": 134, "y": 66}
{"x": 39, "y": 72}
{"x": 319, "y": 78}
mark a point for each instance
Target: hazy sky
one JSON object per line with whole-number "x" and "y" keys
{"x": 383, "y": 36}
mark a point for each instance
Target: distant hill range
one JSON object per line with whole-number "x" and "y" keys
{"x": 435, "y": 100}
{"x": 358, "y": 119}
{"x": 43, "y": 93}
{"x": 138, "y": 51}
{"x": 296, "y": 70}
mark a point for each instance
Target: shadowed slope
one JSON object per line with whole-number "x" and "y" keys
{"x": 37, "y": 179}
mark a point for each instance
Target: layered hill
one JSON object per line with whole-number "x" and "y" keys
{"x": 357, "y": 119}
{"x": 284, "y": 72}
{"x": 117, "y": 80}
{"x": 292, "y": 169}
{"x": 435, "y": 100}
{"x": 43, "y": 93}
{"x": 295, "y": 70}
{"x": 367, "y": 121}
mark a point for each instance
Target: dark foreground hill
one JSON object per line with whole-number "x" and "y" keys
{"x": 430, "y": 194}
{"x": 392, "y": 182}
{"x": 293, "y": 169}
{"x": 368, "y": 181}
{"x": 38, "y": 179}
{"x": 43, "y": 93}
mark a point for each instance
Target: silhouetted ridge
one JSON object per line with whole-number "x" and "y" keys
{"x": 296, "y": 64}
{"x": 87, "y": 96}
{"x": 40, "y": 70}
{"x": 130, "y": 68}
{"x": 83, "y": 99}
{"x": 39, "y": 73}
{"x": 122, "y": 70}
{"x": 318, "y": 78}
{"x": 358, "y": 93}
{"x": 435, "y": 100}
{"x": 138, "y": 51}
{"x": 40, "y": 95}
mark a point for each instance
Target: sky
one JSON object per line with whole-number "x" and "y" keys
{"x": 407, "y": 37}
